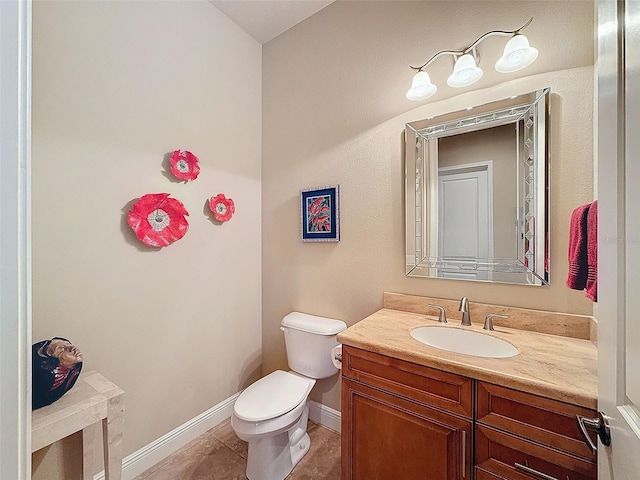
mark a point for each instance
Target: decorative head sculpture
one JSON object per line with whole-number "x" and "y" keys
{"x": 56, "y": 366}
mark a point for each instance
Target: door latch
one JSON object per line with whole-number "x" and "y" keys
{"x": 598, "y": 425}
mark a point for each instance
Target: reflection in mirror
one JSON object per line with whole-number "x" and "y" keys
{"x": 477, "y": 189}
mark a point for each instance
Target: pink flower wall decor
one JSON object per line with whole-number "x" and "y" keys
{"x": 184, "y": 165}
{"x": 222, "y": 207}
{"x": 158, "y": 220}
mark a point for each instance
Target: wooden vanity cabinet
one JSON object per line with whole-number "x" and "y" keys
{"x": 519, "y": 436}
{"x": 403, "y": 421}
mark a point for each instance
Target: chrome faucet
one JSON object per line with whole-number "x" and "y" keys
{"x": 464, "y": 308}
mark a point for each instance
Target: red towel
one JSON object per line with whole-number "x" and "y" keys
{"x": 592, "y": 252}
{"x": 578, "y": 266}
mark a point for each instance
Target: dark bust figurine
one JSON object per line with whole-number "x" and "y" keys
{"x": 56, "y": 366}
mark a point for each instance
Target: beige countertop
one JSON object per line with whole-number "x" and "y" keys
{"x": 551, "y": 366}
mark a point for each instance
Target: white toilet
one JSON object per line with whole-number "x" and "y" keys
{"x": 271, "y": 414}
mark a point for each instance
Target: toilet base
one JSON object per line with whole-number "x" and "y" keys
{"x": 273, "y": 457}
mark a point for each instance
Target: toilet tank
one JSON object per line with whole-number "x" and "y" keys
{"x": 309, "y": 340}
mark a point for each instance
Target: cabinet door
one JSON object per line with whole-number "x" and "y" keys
{"x": 386, "y": 437}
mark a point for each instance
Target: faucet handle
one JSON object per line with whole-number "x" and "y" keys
{"x": 488, "y": 321}
{"x": 442, "y": 316}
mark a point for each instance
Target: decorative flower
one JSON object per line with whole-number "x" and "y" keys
{"x": 184, "y": 165}
{"x": 222, "y": 207}
{"x": 158, "y": 220}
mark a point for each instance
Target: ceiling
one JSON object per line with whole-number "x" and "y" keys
{"x": 266, "y": 19}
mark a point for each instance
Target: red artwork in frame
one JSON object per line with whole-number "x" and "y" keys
{"x": 320, "y": 215}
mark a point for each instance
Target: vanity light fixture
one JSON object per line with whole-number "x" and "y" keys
{"x": 517, "y": 55}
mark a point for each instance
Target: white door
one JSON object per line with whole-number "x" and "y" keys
{"x": 15, "y": 332}
{"x": 618, "y": 308}
{"x": 465, "y": 223}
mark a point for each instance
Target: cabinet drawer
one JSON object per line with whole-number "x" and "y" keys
{"x": 535, "y": 418}
{"x": 484, "y": 475}
{"x": 443, "y": 390}
{"x": 507, "y": 456}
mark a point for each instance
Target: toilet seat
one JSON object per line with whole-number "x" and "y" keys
{"x": 272, "y": 396}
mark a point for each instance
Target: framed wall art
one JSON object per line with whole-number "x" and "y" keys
{"x": 320, "y": 214}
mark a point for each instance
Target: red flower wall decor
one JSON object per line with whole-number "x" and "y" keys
{"x": 158, "y": 220}
{"x": 184, "y": 165}
{"x": 222, "y": 207}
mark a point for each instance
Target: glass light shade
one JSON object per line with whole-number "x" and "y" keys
{"x": 465, "y": 72}
{"x": 517, "y": 55}
{"x": 421, "y": 87}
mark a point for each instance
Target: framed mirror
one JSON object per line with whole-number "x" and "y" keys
{"x": 477, "y": 193}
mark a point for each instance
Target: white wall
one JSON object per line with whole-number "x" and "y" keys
{"x": 118, "y": 85}
{"x": 328, "y": 100}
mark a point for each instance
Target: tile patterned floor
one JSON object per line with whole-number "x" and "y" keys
{"x": 220, "y": 455}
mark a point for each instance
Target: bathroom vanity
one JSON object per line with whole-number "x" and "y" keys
{"x": 411, "y": 411}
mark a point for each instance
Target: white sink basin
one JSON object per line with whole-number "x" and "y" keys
{"x": 464, "y": 341}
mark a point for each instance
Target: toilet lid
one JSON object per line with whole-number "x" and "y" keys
{"x": 271, "y": 396}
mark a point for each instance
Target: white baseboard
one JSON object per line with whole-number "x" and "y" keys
{"x": 153, "y": 453}
{"x": 325, "y": 416}
{"x": 149, "y": 455}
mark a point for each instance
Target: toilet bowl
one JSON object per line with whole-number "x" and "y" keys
{"x": 272, "y": 413}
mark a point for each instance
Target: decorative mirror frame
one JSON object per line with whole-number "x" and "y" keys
{"x": 531, "y": 117}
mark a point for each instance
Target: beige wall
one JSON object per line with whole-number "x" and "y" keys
{"x": 328, "y": 119}
{"x": 116, "y": 86}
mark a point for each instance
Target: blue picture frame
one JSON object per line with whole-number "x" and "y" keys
{"x": 320, "y": 210}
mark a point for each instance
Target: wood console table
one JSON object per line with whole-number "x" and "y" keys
{"x": 93, "y": 399}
